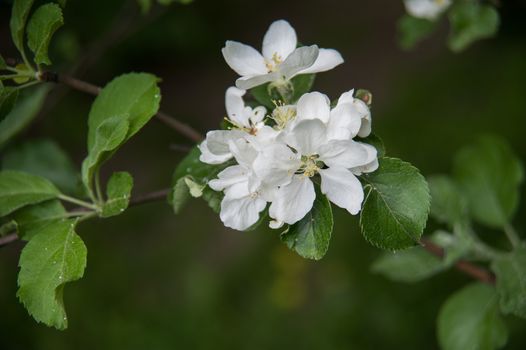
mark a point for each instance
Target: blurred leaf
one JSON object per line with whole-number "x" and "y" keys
{"x": 489, "y": 174}
{"x": 261, "y": 95}
{"x": 18, "y": 189}
{"x": 2, "y": 63}
{"x": 511, "y": 281}
{"x": 448, "y": 204}
{"x": 145, "y": 5}
{"x": 310, "y": 236}
{"x": 412, "y": 30}
{"x": 22, "y": 114}
{"x": 62, "y": 3}
{"x": 201, "y": 174}
{"x": 396, "y": 205}
{"x": 18, "y": 21}
{"x": 374, "y": 141}
{"x": 109, "y": 135}
{"x": 119, "y": 192}
{"x": 455, "y": 245}
{"x": 409, "y": 265}
{"x": 8, "y": 96}
{"x": 32, "y": 218}
{"x": 7, "y": 227}
{"x": 470, "y": 319}
{"x": 41, "y": 27}
{"x": 471, "y": 21}
{"x": 196, "y": 190}
{"x": 55, "y": 256}
{"x": 302, "y": 84}
{"x": 44, "y": 158}
{"x": 180, "y": 195}
{"x": 134, "y": 96}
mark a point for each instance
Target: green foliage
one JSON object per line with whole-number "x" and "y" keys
{"x": 18, "y": 189}
{"x": 489, "y": 174}
{"x": 8, "y": 97}
{"x": 410, "y": 265}
{"x": 511, "y": 281}
{"x": 118, "y": 192}
{"x": 448, "y": 205}
{"x": 412, "y": 30}
{"x": 41, "y": 27}
{"x": 55, "y": 256}
{"x": 471, "y": 21}
{"x": 396, "y": 205}
{"x": 32, "y": 218}
{"x": 199, "y": 174}
{"x": 133, "y": 97}
{"x": 470, "y": 319}
{"x": 44, "y": 158}
{"x": 2, "y": 63}
{"x": 27, "y": 108}
{"x": 109, "y": 135}
{"x": 310, "y": 236}
{"x": 302, "y": 84}
{"x": 18, "y": 21}
{"x": 299, "y": 85}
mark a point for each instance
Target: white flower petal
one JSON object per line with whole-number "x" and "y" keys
{"x": 293, "y": 201}
{"x": 235, "y": 106}
{"x": 258, "y": 114}
{"x": 307, "y": 137}
{"x": 210, "y": 158}
{"x": 280, "y": 39}
{"x": 327, "y": 60}
{"x": 274, "y": 224}
{"x": 215, "y": 148}
{"x": 248, "y": 82}
{"x": 428, "y": 9}
{"x": 346, "y": 97}
{"x": 345, "y": 154}
{"x": 342, "y": 188}
{"x": 299, "y": 60}
{"x": 241, "y": 213}
{"x": 276, "y": 164}
{"x": 371, "y": 162}
{"x": 344, "y": 122}
{"x": 363, "y": 110}
{"x": 313, "y": 105}
{"x": 243, "y": 152}
{"x": 244, "y": 59}
{"x": 228, "y": 177}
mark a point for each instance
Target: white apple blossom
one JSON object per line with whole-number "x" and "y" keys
{"x": 280, "y": 60}
{"x": 427, "y": 9}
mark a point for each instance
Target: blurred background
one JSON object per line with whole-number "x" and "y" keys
{"x": 159, "y": 281}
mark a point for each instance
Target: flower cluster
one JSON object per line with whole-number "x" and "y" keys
{"x": 280, "y": 156}
{"x": 426, "y": 9}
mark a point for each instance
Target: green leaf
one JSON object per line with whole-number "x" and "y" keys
{"x": 145, "y": 5}
{"x": 135, "y": 96}
{"x": 110, "y": 134}
{"x": 471, "y": 21}
{"x": 18, "y": 21}
{"x": 119, "y": 192}
{"x": 302, "y": 84}
{"x": 310, "y": 236}
{"x": 8, "y": 97}
{"x": 448, "y": 204}
{"x": 3, "y": 65}
{"x": 18, "y": 189}
{"x": 410, "y": 265}
{"x": 455, "y": 245}
{"x": 412, "y": 30}
{"x": 490, "y": 175}
{"x": 511, "y": 281}
{"x": 200, "y": 173}
{"x": 44, "y": 158}
{"x": 31, "y": 218}
{"x": 54, "y": 257}
{"x": 396, "y": 205}
{"x": 374, "y": 141}
{"x": 262, "y": 96}
{"x": 470, "y": 319}
{"x": 27, "y": 108}
{"x": 41, "y": 27}
{"x": 7, "y": 227}
{"x": 180, "y": 195}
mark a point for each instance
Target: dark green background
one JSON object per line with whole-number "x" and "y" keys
{"x": 159, "y": 281}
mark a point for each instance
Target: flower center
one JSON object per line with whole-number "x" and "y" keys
{"x": 282, "y": 115}
{"x": 273, "y": 63}
{"x": 310, "y": 165}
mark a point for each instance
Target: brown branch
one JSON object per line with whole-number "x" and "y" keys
{"x": 91, "y": 89}
{"x": 466, "y": 267}
{"x": 138, "y": 200}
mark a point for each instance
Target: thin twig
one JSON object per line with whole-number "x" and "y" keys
{"x": 466, "y": 267}
{"x": 91, "y": 89}
{"x": 138, "y": 200}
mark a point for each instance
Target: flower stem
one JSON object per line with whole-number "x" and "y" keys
{"x": 512, "y": 235}
{"x": 77, "y": 201}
